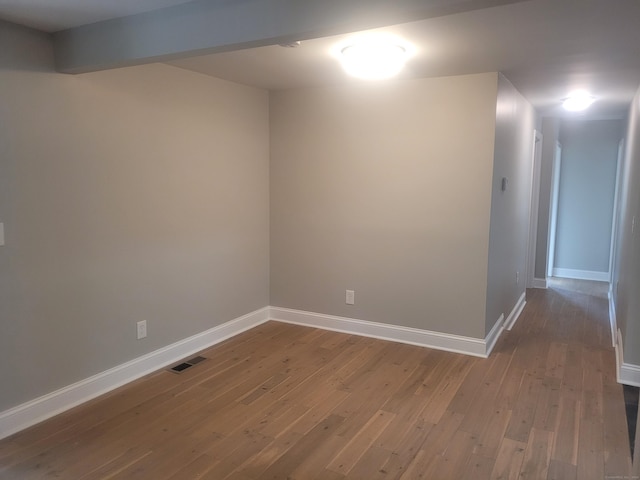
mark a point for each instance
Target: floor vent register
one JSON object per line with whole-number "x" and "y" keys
{"x": 181, "y": 367}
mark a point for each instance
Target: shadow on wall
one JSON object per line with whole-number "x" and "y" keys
{"x": 35, "y": 54}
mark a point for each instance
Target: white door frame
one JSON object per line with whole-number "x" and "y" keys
{"x": 534, "y": 200}
{"x": 614, "y": 226}
{"x": 553, "y": 211}
{"x": 613, "y": 250}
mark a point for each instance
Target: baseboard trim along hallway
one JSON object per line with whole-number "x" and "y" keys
{"x": 515, "y": 313}
{"x": 629, "y": 374}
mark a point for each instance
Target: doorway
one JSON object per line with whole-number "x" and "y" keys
{"x": 584, "y": 185}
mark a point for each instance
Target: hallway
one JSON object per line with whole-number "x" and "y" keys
{"x": 563, "y": 337}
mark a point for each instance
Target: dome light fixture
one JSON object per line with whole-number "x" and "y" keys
{"x": 578, "y": 101}
{"x": 373, "y": 58}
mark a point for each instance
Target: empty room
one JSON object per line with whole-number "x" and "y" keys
{"x": 292, "y": 239}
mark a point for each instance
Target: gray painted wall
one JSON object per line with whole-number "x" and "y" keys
{"x": 513, "y": 157}
{"x": 385, "y": 189}
{"x": 626, "y": 271}
{"x": 586, "y": 194}
{"x": 139, "y": 193}
{"x": 550, "y": 135}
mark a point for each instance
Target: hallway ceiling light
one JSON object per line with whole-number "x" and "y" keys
{"x": 578, "y": 101}
{"x": 373, "y": 58}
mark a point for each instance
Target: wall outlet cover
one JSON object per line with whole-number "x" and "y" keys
{"x": 141, "y": 329}
{"x": 350, "y": 297}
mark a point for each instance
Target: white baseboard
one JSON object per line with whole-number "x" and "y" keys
{"x": 626, "y": 373}
{"x": 494, "y": 334}
{"x": 507, "y": 324}
{"x": 613, "y": 323}
{"x": 32, "y": 412}
{"x": 629, "y": 374}
{"x": 515, "y": 313}
{"x": 581, "y": 274}
{"x": 619, "y": 355}
{"x": 413, "y": 336}
{"x": 539, "y": 283}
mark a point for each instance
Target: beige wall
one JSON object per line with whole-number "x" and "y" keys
{"x": 384, "y": 189}
{"x": 515, "y": 123}
{"x": 626, "y": 271}
{"x": 131, "y": 194}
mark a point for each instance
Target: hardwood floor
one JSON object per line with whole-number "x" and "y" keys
{"x": 289, "y": 402}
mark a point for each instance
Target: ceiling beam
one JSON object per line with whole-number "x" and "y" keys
{"x": 211, "y": 26}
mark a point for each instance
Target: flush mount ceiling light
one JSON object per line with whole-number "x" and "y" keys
{"x": 374, "y": 58}
{"x": 578, "y": 101}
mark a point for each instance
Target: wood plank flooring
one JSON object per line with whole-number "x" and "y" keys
{"x": 288, "y": 402}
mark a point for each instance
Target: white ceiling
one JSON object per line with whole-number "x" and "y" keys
{"x": 545, "y": 47}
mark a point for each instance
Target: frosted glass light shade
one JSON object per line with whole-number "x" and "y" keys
{"x": 578, "y": 101}
{"x": 373, "y": 60}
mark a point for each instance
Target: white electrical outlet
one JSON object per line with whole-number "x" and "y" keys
{"x": 351, "y": 297}
{"x": 142, "y": 329}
